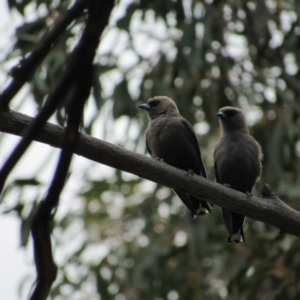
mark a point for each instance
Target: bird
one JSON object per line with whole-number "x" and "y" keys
{"x": 171, "y": 138}
{"x": 237, "y": 163}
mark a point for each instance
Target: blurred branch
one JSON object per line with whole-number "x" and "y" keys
{"x": 24, "y": 70}
{"x": 73, "y": 66}
{"x": 43, "y": 258}
{"x": 291, "y": 81}
{"x": 273, "y": 55}
{"x": 269, "y": 210}
{"x": 79, "y": 89}
{"x": 289, "y": 100}
{"x": 45, "y": 266}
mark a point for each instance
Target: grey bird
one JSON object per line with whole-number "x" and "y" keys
{"x": 237, "y": 159}
{"x": 171, "y": 138}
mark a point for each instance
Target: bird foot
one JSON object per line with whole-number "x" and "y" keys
{"x": 159, "y": 159}
{"x": 227, "y": 185}
{"x": 249, "y": 195}
{"x": 190, "y": 172}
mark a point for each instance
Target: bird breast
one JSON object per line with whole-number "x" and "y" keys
{"x": 168, "y": 139}
{"x": 237, "y": 161}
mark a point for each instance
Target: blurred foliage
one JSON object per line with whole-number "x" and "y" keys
{"x": 131, "y": 239}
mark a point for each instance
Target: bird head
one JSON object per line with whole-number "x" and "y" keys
{"x": 160, "y": 106}
{"x": 232, "y": 118}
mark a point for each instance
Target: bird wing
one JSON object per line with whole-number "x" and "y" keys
{"x": 233, "y": 221}
{"x": 186, "y": 200}
{"x": 147, "y": 145}
{"x": 193, "y": 137}
{"x": 225, "y": 212}
{"x": 216, "y": 172}
{"x": 228, "y": 221}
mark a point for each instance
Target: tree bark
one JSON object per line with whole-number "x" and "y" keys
{"x": 269, "y": 209}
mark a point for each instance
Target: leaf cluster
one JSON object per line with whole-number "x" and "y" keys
{"x": 132, "y": 239}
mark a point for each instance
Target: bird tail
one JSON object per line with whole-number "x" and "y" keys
{"x": 201, "y": 207}
{"x": 196, "y": 206}
{"x": 234, "y": 225}
{"x": 186, "y": 200}
{"x": 204, "y": 208}
{"x": 237, "y": 237}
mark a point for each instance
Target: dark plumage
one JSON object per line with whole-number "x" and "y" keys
{"x": 237, "y": 163}
{"x": 171, "y": 138}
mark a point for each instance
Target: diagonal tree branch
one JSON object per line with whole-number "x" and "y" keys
{"x": 41, "y": 225}
{"x": 22, "y": 72}
{"x": 269, "y": 210}
{"x": 80, "y": 87}
{"x": 86, "y": 46}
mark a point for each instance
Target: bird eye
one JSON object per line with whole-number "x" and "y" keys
{"x": 153, "y": 103}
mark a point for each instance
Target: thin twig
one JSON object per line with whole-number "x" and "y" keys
{"x": 24, "y": 70}
{"x": 73, "y": 66}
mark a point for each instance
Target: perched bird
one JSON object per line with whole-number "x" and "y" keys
{"x": 237, "y": 164}
{"x": 171, "y": 138}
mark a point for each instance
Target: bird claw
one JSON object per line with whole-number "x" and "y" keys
{"x": 249, "y": 195}
{"x": 227, "y": 185}
{"x": 190, "y": 172}
{"x": 159, "y": 159}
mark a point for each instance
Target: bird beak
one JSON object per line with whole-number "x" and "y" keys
{"x": 221, "y": 115}
{"x": 144, "y": 106}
